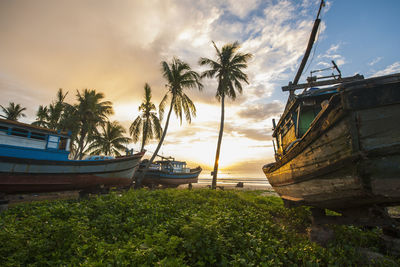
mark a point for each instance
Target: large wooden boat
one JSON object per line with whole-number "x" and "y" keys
{"x": 338, "y": 142}
{"x": 339, "y": 147}
{"x": 168, "y": 173}
{"x": 35, "y": 159}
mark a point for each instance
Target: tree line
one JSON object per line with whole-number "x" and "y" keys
{"x": 93, "y": 133}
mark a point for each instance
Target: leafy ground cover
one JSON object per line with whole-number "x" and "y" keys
{"x": 172, "y": 228}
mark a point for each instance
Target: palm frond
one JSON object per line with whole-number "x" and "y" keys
{"x": 188, "y": 107}
{"x": 156, "y": 125}
{"x": 161, "y": 107}
{"x": 134, "y": 129}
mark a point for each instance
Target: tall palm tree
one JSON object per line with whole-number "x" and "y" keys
{"x": 110, "y": 140}
{"x": 147, "y": 124}
{"x": 89, "y": 113}
{"x": 56, "y": 109}
{"x": 13, "y": 111}
{"x": 42, "y": 117}
{"x": 179, "y": 76}
{"x": 227, "y": 68}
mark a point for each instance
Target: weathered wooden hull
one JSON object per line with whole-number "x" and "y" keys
{"x": 350, "y": 156}
{"x": 164, "y": 178}
{"x": 30, "y": 176}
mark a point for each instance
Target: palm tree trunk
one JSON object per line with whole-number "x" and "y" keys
{"x": 144, "y": 137}
{"x": 138, "y": 182}
{"x": 221, "y": 131}
{"x": 79, "y": 153}
{"x": 79, "y": 149}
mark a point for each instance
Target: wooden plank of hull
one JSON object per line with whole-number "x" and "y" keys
{"x": 379, "y": 127}
{"x": 25, "y": 176}
{"x": 327, "y": 191}
{"x": 379, "y": 138}
{"x": 384, "y": 176}
{"x": 321, "y": 171}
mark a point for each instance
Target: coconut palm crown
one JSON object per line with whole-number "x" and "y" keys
{"x": 42, "y": 117}
{"x": 52, "y": 116}
{"x": 227, "y": 69}
{"x": 89, "y": 113}
{"x": 147, "y": 125}
{"x": 110, "y": 141}
{"x": 13, "y": 111}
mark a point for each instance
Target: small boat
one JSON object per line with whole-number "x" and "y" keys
{"x": 168, "y": 173}
{"x": 35, "y": 159}
{"x": 337, "y": 144}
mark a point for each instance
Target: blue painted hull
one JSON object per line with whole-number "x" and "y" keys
{"x": 165, "y": 178}
{"x": 19, "y": 175}
{"x": 33, "y": 153}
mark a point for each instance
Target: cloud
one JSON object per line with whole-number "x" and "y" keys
{"x": 238, "y": 130}
{"x": 393, "y": 68}
{"x": 333, "y": 49}
{"x": 257, "y": 134}
{"x": 242, "y": 8}
{"x": 261, "y": 112}
{"x": 332, "y": 54}
{"x": 115, "y": 47}
{"x": 374, "y": 61}
{"x": 251, "y": 167}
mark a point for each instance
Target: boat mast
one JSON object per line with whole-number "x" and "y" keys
{"x": 309, "y": 47}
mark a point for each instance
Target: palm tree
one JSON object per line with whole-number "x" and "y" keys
{"x": 56, "y": 110}
{"x": 51, "y": 116}
{"x": 228, "y": 71}
{"x": 13, "y": 111}
{"x": 110, "y": 141}
{"x": 179, "y": 76}
{"x": 147, "y": 124}
{"x": 89, "y": 113}
{"x": 42, "y": 117}
{"x": 69, "y": 122}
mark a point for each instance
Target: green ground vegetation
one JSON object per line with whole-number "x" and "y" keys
{"x": 172, "y": 228}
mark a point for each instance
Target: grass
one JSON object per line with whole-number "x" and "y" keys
{"x": 172, "y": 228}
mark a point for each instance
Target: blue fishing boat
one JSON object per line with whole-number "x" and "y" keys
{"x": 168, "y": 173}
{"x": 35, "y": 159}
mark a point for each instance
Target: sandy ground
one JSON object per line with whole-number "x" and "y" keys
{"x": 230, "y": 186}
{"x": 23, "y": 198}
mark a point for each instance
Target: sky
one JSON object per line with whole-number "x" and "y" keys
{"x": 117, "y": 46}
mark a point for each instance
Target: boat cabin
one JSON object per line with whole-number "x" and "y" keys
{"x": 22, "y": 140}
{"x": 170, "y": 166}
{"x": 298, "y": 116}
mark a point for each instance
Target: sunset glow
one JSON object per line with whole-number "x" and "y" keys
{"x": 116, "y": 47}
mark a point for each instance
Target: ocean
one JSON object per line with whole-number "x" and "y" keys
{"x": 229, "y": 180}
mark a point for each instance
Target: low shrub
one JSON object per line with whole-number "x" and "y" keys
{"x": 171, "y": 228}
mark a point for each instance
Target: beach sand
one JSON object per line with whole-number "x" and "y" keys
{"x": 23, "y": 198}
{"x": 230, "y": 186}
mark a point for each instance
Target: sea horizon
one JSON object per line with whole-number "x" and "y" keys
{"x": 234, "y": 178}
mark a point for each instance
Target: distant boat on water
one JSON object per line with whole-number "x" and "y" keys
{"x": 168, "y": 173}
{"x": 35, "y": 159}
